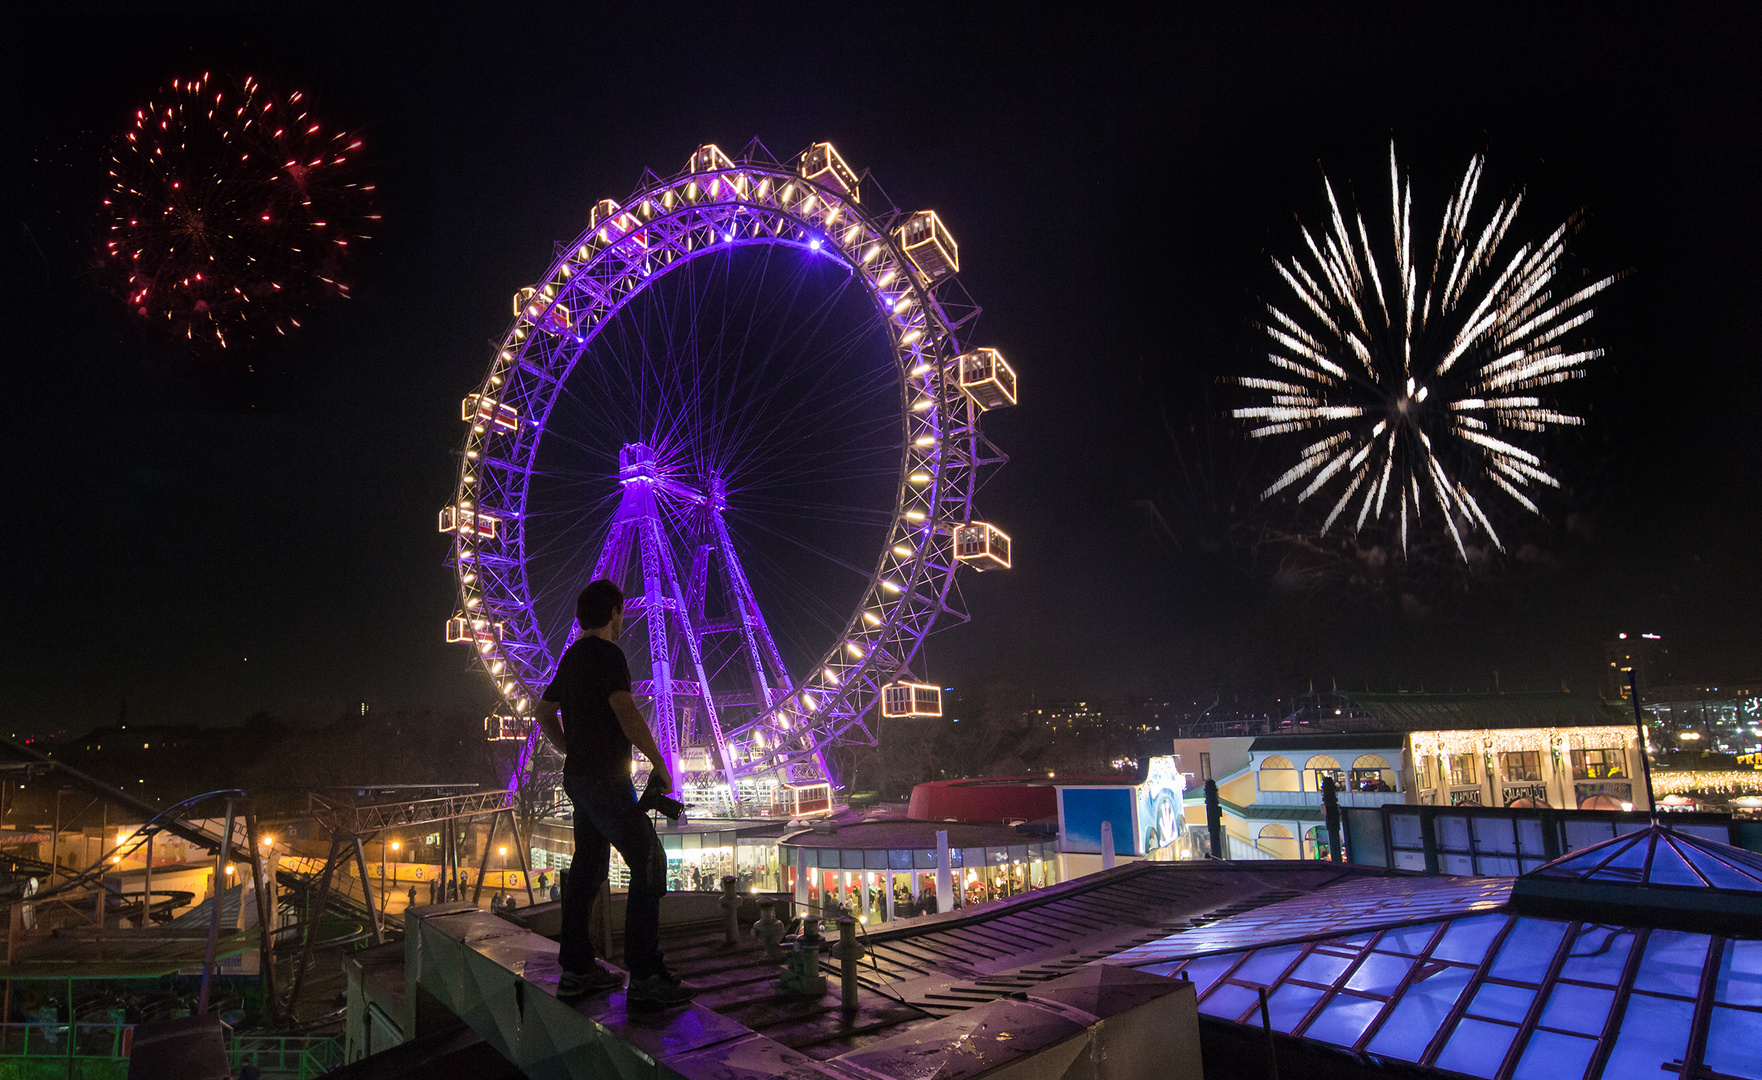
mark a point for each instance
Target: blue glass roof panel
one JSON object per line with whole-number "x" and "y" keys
{"x": 1380, "y": 973}
{"x": 1627, "y": 864}
{"x": 1740, "y": 974}
{"x": 1466, "y": 940}
{"x": 1654, "y": 1033}
{"x": 1584, "y": 1009}
{"x": 1528, "y": 950}
{"x": 1422, "y": 1009}
{"x": 1476, "y": 1047}
{"x": 1290, "y": 1003}
{"x": 1230, "y": 1002}
{"x": 1265, "y": 966}
{"x": 1553, "y": 1057}
{"x": 1598, "y": 954}
{"x": 1496, "y": 1001}
{"x": 1344, "y": 1019}
{"x": 1586, "y": 860}
{"x": 1734, "y": 1042}
{"x": 1409, "y": 940}
{"x": 1670, "y": 868}
{"x": 1322, "y": 967}
{"x": 1209, "y": 969}
{"x": 1673, "y": 963}
{"x": 1729, "y": 874}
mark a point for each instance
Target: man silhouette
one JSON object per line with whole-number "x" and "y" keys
{"x": 598, "y": 727}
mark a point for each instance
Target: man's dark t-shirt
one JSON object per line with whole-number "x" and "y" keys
{"x": 591, "y": 671}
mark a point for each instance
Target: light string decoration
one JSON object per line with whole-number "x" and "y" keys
{"x": 1508, "y": 740}
{"x": 1720, "y": 782}
{"x": 1417, "y": 385}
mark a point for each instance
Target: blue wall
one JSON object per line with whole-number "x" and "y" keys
{"x": 1081, "y": 812}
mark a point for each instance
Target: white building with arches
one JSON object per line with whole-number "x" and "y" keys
{"x": 1518, "y": 749}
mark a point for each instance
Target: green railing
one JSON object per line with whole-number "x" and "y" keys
{"x": 303, "y": 1056}
{"x": 101, "y": 1052}
{"x": 95, "y": 1052}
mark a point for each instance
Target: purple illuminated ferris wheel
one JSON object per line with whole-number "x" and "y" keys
{"x": 741, "y": 394}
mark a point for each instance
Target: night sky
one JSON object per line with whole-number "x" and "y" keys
{"x": 203, "y": 545}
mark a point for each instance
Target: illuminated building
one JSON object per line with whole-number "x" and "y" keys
{"x": 1514, "y": 749}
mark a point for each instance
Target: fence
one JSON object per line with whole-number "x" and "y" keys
{"x": 303, "y": 1056}
{"x": 102, "y": 1051}
{"x": 1506, "y": 841}
{"x": 96, "y": 1051}
{"x": 1241, "y": 849}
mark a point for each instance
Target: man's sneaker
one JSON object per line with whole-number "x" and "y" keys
{"x": 658, "y": 992}
{"x": 596, "y": 980}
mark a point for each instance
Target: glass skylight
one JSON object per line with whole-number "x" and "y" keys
{"x": 1506, "y": 997}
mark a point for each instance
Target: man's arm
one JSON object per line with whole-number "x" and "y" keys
{"x": 636, "y": 729}
{"x": 545, "y": 712}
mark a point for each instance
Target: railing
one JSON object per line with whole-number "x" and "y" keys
{"x": 1245, "y": 850}
{"x": 103, "y": 1042}
{"x": 1505, "y": 841}
{"x": 338, "y": 816}
{"x": 303, "y": 1056}
{"x": 1313, "y": 798}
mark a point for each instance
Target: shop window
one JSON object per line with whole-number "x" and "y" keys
{"x": 1517, "y": 765}
{"x": 1276, "y": 774}
{"x": 1370, "y": 773}
{"x": 1459, "y": 770}
{"x": 1319, "y": 766}
{"x": 1606, "y": 764}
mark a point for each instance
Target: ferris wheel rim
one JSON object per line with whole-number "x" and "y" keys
{"x": 843, "y": 683}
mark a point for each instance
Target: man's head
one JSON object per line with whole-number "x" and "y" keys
{"x": 600, "y": 610}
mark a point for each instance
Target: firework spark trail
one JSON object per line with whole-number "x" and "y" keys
{"x": 230, "y": 210}
{"x": 1398, "y": 366}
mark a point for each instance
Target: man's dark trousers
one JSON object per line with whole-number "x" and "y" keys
{"x": 606, "y": 817}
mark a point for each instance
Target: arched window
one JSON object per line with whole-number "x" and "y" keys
{"x": 1315, "y": 843}
{"x": 1371, "y": 772}
{"x": 1276, "y": 841}
{"x": 1276, "y": 774}
{"x": 1319, "y": 766}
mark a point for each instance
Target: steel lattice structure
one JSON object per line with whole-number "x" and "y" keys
{"x": 906, "y": 264}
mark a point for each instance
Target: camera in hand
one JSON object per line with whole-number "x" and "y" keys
{"x": 654, "y": 798}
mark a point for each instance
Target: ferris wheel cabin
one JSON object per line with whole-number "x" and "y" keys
{"x": 985, "y": 378}
{"x": 709, "y": 158}
{"x": 927, "y": 244}
{"x": 981, "y": 546}
{"x": 506, "y": 728}
{"x": 486, "y": 411}
{"x": 822, "y": 164}
{"x": 479, "y": 631}
{"x": 466, "y": 520}
{"x": 903, "y": 699}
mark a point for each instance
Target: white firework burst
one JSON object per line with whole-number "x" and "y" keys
{"x": 1388, "y": 365}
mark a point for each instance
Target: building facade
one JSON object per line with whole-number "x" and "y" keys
{"x": 1519, "y": 749}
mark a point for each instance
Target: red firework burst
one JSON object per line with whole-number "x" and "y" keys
{"x": 232, "y": 211}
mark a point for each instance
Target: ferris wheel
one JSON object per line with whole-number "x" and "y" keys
{"x": 742, "y": 394}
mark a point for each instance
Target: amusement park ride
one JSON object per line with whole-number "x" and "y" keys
{"x": 743, "y": 734}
